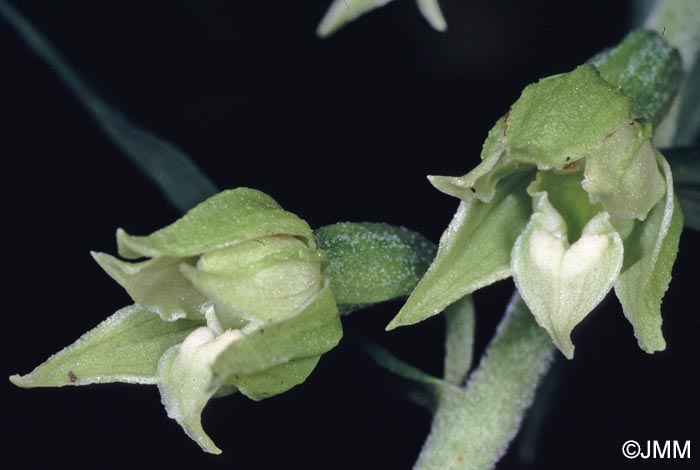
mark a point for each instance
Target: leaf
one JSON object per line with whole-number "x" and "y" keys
{"x": 157, "y": 284}
{"x": 459, "y": 340}
{"x": 647, "y": 70}
{"x": 561, "y": 118}
{"x": 474, "y": 251}
{"x": 125, "y": 347}
{"x": 342, "y": 12}
{"x": 399, "y": 367}
{"x": 650, "y": 252}
{"x": 177, "y": 176}
{"x": 430, "y": 9}
{"x": 561, "y": 284}
{"x": 623, "y": 175}
{"x": 314, "y": 330}
{"x": 184, "y": 378}
{"x": 225, "y": 219}
{"x": 372, "y": 262}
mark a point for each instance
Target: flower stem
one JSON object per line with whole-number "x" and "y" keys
{"x": 473, "y": 426}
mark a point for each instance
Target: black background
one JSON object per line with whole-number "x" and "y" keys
{"x": 343, "y": 129}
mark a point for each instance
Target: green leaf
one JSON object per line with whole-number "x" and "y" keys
{"x": 125, "y": 347}
{"x": 157, "y": 284}
{"x": 647, "y": 69}
{"x": 623, "y": 175}
{"x": 399, "y": 367}
{"x": 176, "y": 175}
{"x": 561, "y": 118}
{"x": 314, "y": 330}
{"x": 372, "y": 262}
{"x": 650, "y": 252}
{"x": 184, "y": 378}
{"x": 474, "y": 251}
{"x": 459, "y": 340}
{"x": 562, "y": 283}
{"x": 223, "y": 220}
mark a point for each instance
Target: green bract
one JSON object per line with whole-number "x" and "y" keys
{"x": 232, "y": 297}
{"x": 571, "y": 199}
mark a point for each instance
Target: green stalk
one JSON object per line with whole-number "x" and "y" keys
{"x": 474, "y": 425}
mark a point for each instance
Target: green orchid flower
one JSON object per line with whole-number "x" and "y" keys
{"x": 231, "y": 297}
{"x": 571, "y": 199}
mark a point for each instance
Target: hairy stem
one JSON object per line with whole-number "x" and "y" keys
{"x": 474, "y": 425}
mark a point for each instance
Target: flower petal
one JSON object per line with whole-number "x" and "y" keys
{"x": 311, "y": 332}
{"x": 623, "y": 175}
{"x": 157, "y": 284}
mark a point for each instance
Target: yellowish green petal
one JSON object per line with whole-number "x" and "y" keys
{"x": 312, "y": 331}
{"x": 157, "y": 284}
{"x": 622, "y": 174}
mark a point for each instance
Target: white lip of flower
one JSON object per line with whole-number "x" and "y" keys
{"x": 550, "y": 204}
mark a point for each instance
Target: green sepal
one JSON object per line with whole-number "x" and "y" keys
{"x": 314, "y": 330}
{"x": 342, "y": 12}
{"x": 230, "y": 217}
{"x": 650, "y": 252}
{"x": 647, "y": 69}
{"x": 277, "y": 379}
{"x": 474, "y": 250}
{"x": 125, "y": 347}
{"x": 372, "y": 262}
{"x": 561, "y": 118}
{"x": 184, "y": 378}
{"x": 562, "y": 283}
{"x": 622, "y": 174}
{"x": 430, "y": 9}
{"x": 157, "y": 284}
